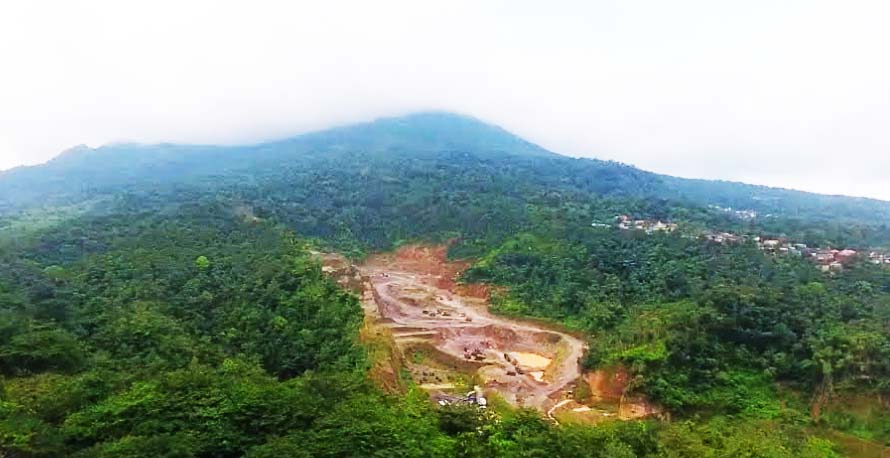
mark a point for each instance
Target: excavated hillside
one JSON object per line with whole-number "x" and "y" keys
{"x": 450, "y": 341}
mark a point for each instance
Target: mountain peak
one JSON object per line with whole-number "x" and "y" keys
{"x": 72, "y": 152}
{"x": 440, "y": 118}
{"x": 426, "y": 131}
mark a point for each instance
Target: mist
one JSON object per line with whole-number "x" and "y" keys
{"x": 791, "y": 94}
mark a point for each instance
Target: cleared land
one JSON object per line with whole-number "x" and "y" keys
{"x": 450, "y": 341}
{"x": 416, "y": 296}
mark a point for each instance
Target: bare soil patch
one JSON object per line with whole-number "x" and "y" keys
{"x": 416, "y": 294}
{"x": 449, "y": 341}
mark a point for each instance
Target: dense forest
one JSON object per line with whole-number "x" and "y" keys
{"x": 703, "y": 323}
{"x": 162, "y": 301}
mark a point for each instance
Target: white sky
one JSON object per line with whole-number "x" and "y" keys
{"x": 779, "y": 92}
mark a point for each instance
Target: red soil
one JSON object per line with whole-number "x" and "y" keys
{"x": 416, "y": 293}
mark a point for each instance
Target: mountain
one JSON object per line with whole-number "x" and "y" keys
{"x": 782, "y": 202}
{"x": 168, "y": 300}
{"x": 384, "y": 145}
{"x": 81, "y": 171}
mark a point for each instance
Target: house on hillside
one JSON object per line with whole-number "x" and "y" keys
{"x": 878, "y": 258}
{"x": 823, "y": 257}
{"x": 723, "y": 237}
{"x": 845, "y": 256}
{"x": 649, "y": 226}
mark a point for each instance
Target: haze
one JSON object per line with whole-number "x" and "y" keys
{"x": 791, "y": 94}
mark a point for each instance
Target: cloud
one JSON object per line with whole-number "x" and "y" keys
{"x": 786, "y": 93}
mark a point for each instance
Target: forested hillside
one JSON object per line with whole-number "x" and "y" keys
{"x": 85, "y": 174}
{"x": 161, "y": 300}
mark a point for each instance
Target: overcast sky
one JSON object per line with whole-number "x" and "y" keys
{"x": 778, "y": 92}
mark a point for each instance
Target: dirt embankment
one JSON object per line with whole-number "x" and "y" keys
{"x": 611, "y": 386}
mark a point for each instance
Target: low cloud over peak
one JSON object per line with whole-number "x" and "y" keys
{"x": 788, "y": 94}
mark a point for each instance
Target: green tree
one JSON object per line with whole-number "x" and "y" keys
{"x": 201, "y": 262}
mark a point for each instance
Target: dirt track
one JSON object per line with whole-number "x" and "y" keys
{"x": 416, "y": 296}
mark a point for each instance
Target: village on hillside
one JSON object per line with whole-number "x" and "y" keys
{"x": 649, "y": 226}
{"x": 741, "y": 214}
{"x": 828, "y": 259}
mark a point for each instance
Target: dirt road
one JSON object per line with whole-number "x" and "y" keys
{"x": 416, "y": 296}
